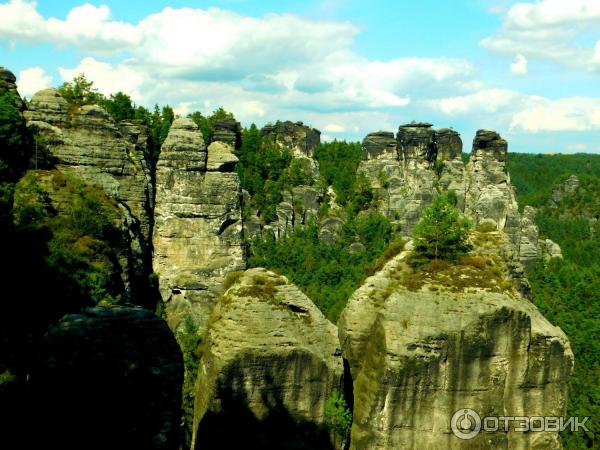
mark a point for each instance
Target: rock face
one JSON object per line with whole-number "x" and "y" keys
{"x": 295, "y": 136}
{"x": 407, "y": 172}
{"x": 569, "y": 187}
{"x": 198, "y": 230}
{"x": 228, "y": 131}
{"x": 417, "y": 356}
{"x": 87, "y": 143}
{"x": 109, "y": 378}
{"x": 490, "y": 196}
{"x": 271, "y": 361}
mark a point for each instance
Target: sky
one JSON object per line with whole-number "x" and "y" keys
{"x": 529, "y": 70}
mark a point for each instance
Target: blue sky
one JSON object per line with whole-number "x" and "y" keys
{"x": 529, "y": 70}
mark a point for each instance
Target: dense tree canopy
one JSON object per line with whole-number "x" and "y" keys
{"x": 442, "y": 232}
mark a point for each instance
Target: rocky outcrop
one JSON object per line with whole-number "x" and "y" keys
{"x": 569, "y": 187}
{"x": 490, "y": 195}
{"x": 228, "y": 131}
{"x": 298, "y": 137}
{"x": 88, "y": 144}
{"x": 270, "y": 362}
{"x": 419, "y": 352}
{"x": 408, "y": 171}
{"x": 108, "y": 378}
{"x": 198, "y": 230}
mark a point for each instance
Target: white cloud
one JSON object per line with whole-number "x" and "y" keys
{"x": 489, "y": 101}
{"x": 553, "y": 12}
{"x": 566, "y": 114}
{"x": 85, "y": 26}
{"x": 33, "y": 80}
{"x": 334, "y": 128}
{"x": 110, "y": 78}
{"x": 519, "y": 66}
{"x": 550, "y": 30}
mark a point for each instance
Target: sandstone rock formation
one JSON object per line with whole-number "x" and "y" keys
{"x": 198, "y": 230}
{"x": 108, "y": 378}
{"x": 88, "y": 144}
{"x": 407, "y": 172}
{"x": 270, "y": 362}
{"x": 569, "y": 187}
{"x": 298, "y": 137}
{"x": 228, "y": 131}
{"x": 418, "y": 353}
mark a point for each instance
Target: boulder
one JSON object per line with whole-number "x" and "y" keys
{"x": 228, "y": 131}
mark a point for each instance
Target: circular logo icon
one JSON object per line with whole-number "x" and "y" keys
{"x": 465, "y": 424}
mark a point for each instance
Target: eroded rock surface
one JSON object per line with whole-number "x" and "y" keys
{"x": 271, "y": 360}
{"x": 198, "y": 230}
{"x": 419, "y": 355}
{"x": 87, "y": 143}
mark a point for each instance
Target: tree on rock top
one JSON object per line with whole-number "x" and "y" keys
{"x": 442, "y": 231}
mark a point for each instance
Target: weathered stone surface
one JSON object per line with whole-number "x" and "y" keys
{"x": 87, "y": 143}
{"x": 416, "y": 357}
{"x": 221, "y": 157}
{"x": 271, "y": 361}
{"x": 198, "y": 230}
{"x": 329, "y": 228}
{"x": 108, "y": 378}
{"x": 48, "y": 106}
{"x": 529, "y": 248}
{"x": 228, "y": 131}
{"x": 569, "y": 187}
{"x": 379, "y": 145}
{"x": 7, "y": 83}
{"x": 550, "y": 249}
{"x": 298, "y": 137}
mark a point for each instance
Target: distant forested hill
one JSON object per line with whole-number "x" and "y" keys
{"x": 568, "y": 291}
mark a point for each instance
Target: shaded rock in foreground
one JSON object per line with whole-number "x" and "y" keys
{"x": 108, "y": 378}
{"x": 270, "y": 363}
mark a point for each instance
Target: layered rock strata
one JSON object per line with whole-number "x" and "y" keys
{"x": 198, "y": 229}
{"x": 87, "y": 143}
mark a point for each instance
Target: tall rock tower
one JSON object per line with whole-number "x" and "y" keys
{"x": 198, "y": 223}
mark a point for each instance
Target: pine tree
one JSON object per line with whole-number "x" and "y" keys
{"x": 442, "y": 232}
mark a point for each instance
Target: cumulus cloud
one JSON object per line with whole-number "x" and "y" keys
{"x": 33, "y": 80}
{"x": 109, "y": 78}
{"x": 489, "y": 101}
{"x": 519, "y": 66}
{"x": 262, "y": 68}
{"x": 549, "y": 30}
{"x": 334, "y": 128}
{"x": 566, "y": 114}
{"x": 85, "y": 26}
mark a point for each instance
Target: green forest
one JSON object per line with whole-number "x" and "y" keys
{"x": 568, "y": 291}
